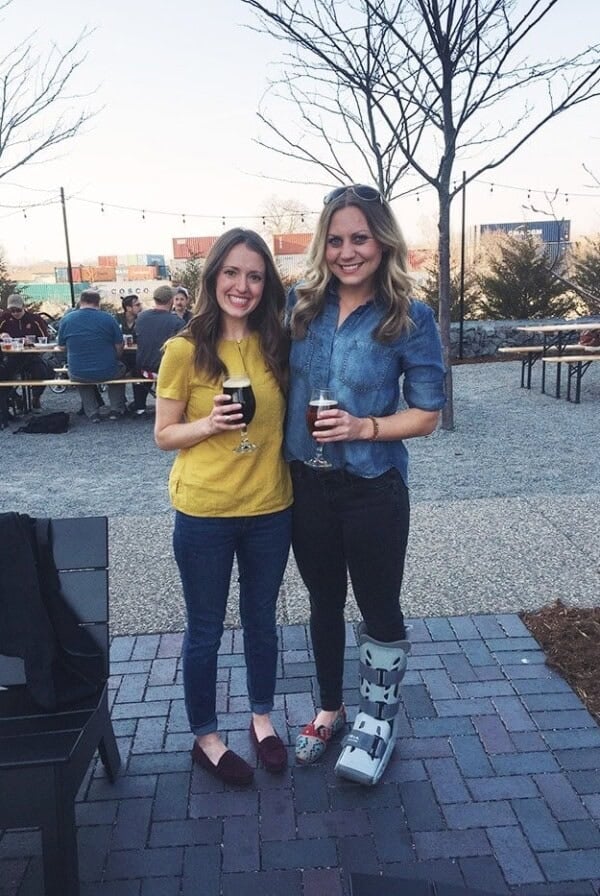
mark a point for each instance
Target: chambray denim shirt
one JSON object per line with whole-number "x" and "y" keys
{"x": 365, "y": 378}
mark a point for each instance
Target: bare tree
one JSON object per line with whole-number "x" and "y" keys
{"x": 36, "y": 104}
{"x": 383, "y": 86}
{"x": 285, "y": 216}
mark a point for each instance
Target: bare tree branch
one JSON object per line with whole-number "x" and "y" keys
{"x": 36, "y": 103}
{"x": 385, "y": 88}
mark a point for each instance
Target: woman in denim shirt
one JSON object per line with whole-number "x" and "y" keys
{"x": 356, "y": 331}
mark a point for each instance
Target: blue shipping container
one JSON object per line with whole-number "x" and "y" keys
{"x": 547, "y": 231}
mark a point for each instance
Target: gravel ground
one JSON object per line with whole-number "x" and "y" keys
{"x": 504, "y": 507}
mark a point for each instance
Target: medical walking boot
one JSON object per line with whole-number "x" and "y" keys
{"x": 367, "y": 749}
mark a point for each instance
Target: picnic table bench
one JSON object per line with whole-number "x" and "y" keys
{"x": 577, "y": 365}
{"x": 60, "y": 383}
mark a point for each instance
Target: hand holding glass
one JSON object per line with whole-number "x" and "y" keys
{"x": 320, "y": 400}
{"x": 240, "y": 390}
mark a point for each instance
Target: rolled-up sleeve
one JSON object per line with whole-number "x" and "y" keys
{"x": 423, "y": 385}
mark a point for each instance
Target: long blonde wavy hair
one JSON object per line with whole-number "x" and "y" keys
{"x": 392, "y": 283}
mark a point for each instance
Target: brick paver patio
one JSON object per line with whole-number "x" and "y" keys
{"x": 494, "y": 784}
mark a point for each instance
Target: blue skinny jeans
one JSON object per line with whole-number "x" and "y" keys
{"x": 204, "y": 550}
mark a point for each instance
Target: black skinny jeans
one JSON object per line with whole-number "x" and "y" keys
{"x": 344, "y": 523}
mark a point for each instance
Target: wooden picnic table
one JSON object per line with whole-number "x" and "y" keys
{"x": 558, "y": 337}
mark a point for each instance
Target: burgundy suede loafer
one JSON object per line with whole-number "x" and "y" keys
{"x": 231, "y": 768}
{"x": 270, "y": 750}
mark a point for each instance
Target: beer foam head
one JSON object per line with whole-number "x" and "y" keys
{"x": 236, "y": 382}
{"x": 324, "y": 403}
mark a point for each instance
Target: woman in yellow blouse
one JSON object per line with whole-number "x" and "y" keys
{"x": 228, "y": 503}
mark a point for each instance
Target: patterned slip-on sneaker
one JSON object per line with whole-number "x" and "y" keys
{"x": 312, "y": 742}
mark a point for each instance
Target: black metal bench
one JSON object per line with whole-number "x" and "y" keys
{"x": 44, "y": 756}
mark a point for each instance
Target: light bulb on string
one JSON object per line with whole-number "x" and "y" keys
{"x": 24, "y": 213}
{"x": 183, "y": 218}
{"x": 143, "y": 215}
{"x": 418, "y": 197}
{"x": 491, "y": 188}
{"x": 302, "y": 219}
{"x": 223, "y": 222}
{"x": 567, "y": 198}
{"x": 102, "y": 207}
{"x": 528, "y": 195}
{"x": 264, "y": 221}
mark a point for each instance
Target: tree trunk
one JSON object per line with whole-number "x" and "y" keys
{"x": 444, "y": 313}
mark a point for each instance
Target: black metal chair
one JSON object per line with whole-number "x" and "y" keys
{"x": 44, "y": 755}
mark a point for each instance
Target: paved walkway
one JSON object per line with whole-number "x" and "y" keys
{"x": 495, "y": 782}
{"x": 494, "y": 785}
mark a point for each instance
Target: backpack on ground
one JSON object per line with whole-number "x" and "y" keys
{"x": 57, "y": 422}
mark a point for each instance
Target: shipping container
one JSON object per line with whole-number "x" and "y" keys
{"x": 113, "y": 292}
{"x": 291, "y": 243}
{"x": 191, "y": 246}
{"x": 50, "y": 292}
{"x": 62, "y": 274}
{"x": 547, "y": 231}
{"x": 101, "y": 274}
{"x": 158, "y": 260}
{"x": 122, "y": 261}
{"x": 162, "y": 271}
{"x": 94, "y": 273}
{"x": 141, "y": 272}
{"x": 108, "y": 261}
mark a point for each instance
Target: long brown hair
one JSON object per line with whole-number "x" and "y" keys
{"x": 392, "y": 283}
{"x": 204, "y": 329}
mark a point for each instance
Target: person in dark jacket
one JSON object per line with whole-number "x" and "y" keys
{"x": 18, "y": 323}
{"x": 153, "y": 328}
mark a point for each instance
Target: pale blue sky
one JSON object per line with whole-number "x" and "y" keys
{"x": 179, "y": 85}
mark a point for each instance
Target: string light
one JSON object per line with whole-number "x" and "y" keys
{"x": 23, "y": 208}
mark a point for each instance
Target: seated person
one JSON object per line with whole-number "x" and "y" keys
{"x": 132, "y": 306}
{"x": 19, "y": 323}
{"x": 94, "y": 344}
{"x": 181, "y": 304}
{"x": 153, "y": 328}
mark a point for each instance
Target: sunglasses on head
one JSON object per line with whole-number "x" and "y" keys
{"x": 361, "y": 191}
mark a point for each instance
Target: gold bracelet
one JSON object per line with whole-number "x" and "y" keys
{"x": 375, "y": 435}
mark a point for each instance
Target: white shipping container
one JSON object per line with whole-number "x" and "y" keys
{"x": 112, "y": 292}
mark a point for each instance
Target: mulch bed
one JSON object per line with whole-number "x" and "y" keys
{"x": 570, "y": 638}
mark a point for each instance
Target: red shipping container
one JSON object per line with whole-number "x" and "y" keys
{"x": 142, "y": 272}
{"x": 291, "y": 243}
{"x": 107, "y": 261}
{"x": 189, "y": 246}
{"x": 104, "y": 274}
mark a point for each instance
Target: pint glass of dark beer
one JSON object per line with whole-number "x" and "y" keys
{"x": 240, "y": 390}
